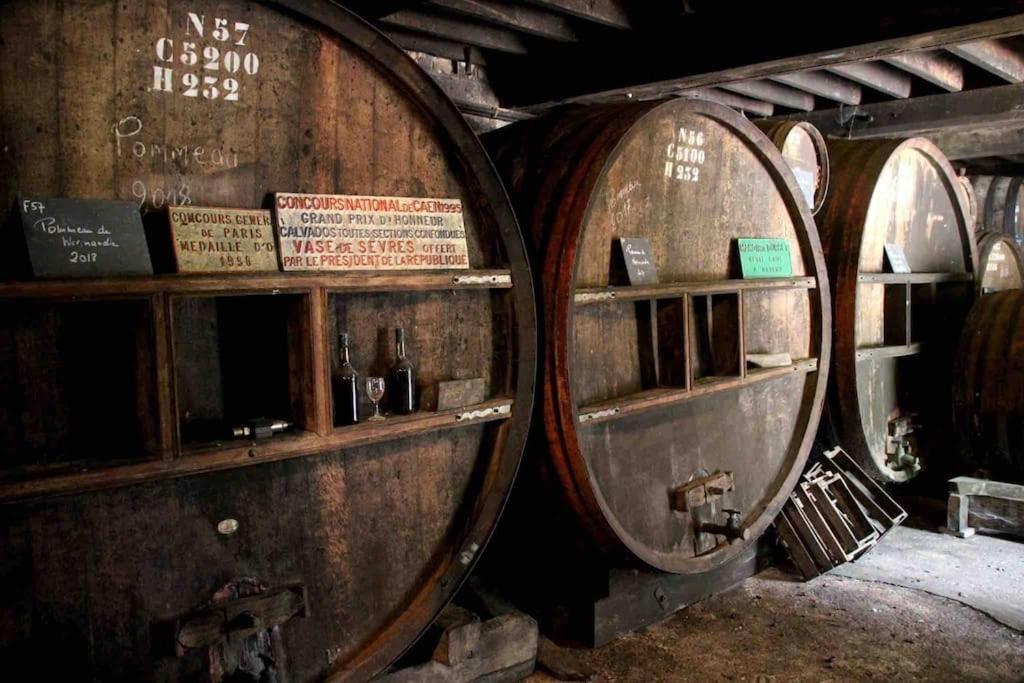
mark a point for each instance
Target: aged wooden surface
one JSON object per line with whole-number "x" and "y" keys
{"x": 988, "y": 389}
{"x": 112, "y": 508}
{"x": 1000, "y": 263}
{"x": 904, "y": 193}
{"x": 618, "y": 437}
{"x": 803, "y": 147}
{"x": 1000, "y": 200}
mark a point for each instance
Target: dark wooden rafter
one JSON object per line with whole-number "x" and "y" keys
{"x": 984, "y": 107}
{"x": 606, "y": 12}
{"x": 457, "y": 30}
{"x": 980, "y": 143}
{"x": 375, "y": 9}
{"x": 512, "y": 16}
{"x": 729, "y": 99}
{"x": 418, "y": 42}
{"x": 677, "y": 57}
{"x": 993, "y": 56}
{"x": 775, "y": 93}
{"x": 933, "y": 66}
{"x": 876, "y": 76}
{"x": 823, "y": 84}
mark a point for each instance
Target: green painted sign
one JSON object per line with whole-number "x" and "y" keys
{"x": 762, "y": 257}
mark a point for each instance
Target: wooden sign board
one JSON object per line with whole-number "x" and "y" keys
{"x": 764, "y": 257}
{"x": 639, "y": 260}
{"x": 214, "y": 240}
{"x": 350, "y": 232}
{"x": 897, "y": 259}
{"x": 73, "y": 238}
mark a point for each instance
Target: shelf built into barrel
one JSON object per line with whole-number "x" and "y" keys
{"x": 132, "y": 551}
{"x": 998, "y": 200}
{"x": 989, "y": 388}
{"x": 1000, "y": 263}
{"x": 653, "y": 425}
{"x": 895, "y": 332}
{"x": 804, "y": 149}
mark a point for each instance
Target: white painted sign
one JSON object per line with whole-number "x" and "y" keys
{"x": 685, "y": 155}
{"x": 353, "y": 232}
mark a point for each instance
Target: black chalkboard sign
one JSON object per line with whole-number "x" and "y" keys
{"x": 67, "y": 238}
{"x": 636, "y": 253}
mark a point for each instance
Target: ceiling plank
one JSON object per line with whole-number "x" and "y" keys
{"x": 457, "y": 30}
{"x": 933, "y": 66}
{"x": 515, "y": 17}
{"x": 823, "y": 84}
{"x": 782, "y": 95}
{"x": 375, "y": 9}
{"x": 981, "y": 142}
{"x": 729, "y": 99}
{"x": 683, "y": 55}
{"x": 416, "y": 42}
{"x": 876, "y": 76}
{"x": 930, "y": 114}
{"x": 607, "y": 12}
{"x": 993, "y": 56}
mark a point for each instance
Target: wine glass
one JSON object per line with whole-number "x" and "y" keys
{"x": 375, "y": 390}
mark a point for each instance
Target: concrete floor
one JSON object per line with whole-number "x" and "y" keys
{"x": 905, "y": 614}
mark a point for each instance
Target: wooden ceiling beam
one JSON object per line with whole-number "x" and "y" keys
{"x": 877, "y": 76}
{"x": 688, "y": 53}
{"x": 606, "y": 12}
{"x": 457, "y": 30}
{"x": 993, "y": 56}
{"x": 982, "y": 142}
{"x": 927, "y": 115}
{"x": 729, "y": 99}
{"x": 933, "y": 66}
{"x": 767, "y": 91}
{"x": 417, "y": 42}
{"x": 823, "y": 84}
{"x": 512, "y": 16}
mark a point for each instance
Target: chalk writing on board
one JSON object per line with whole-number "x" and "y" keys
{"x": 636, "y": 253}
{"x": 83, "y": 238}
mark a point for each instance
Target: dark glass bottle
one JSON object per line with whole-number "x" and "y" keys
{"x": 401, "y": 387}
{"x": 345, "y": 387}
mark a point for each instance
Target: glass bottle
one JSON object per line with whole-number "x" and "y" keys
{"x": 401, "y": 389}
{"x": 344, "y": 387}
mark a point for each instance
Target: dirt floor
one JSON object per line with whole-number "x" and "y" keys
{"x": 836, "y": 628}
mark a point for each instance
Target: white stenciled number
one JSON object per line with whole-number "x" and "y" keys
{"x": 188, "y": 54}
{"x": 210, "y": 57}
{"x": 251, "y": 63}
{"x": 191, "y": 83}
{"x": 231, "y": 88}
{"x": 232, "y": 62}
{"x": 210, "y": 90}
{"x": 199, "y": 54}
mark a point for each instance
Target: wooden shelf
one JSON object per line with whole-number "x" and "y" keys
{"x": 897, "y": 351}
{"x": 257, "y": 283}
{"x": 234, "y": 454}
{"x": 672, "y": 290}
{"x": 913, "y": 278}
{"x": 657, "y": 398}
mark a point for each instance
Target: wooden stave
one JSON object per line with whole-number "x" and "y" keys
{"x": 999, "y": 209}
{"x": 564, "y": 468}
{"x": 439, "y": 585}
{"x": 856, "y": 167}
{"x": 779, "y": 131}
{"x": 988, "y": 389}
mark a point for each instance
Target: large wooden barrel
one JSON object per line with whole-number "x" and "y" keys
{"x": 804, "y": 149}
{"x": 895, "y": 332}
{"x": 999, "y": 203}
{"x": 652, "y": 425}
{"x": 989, "y": 388}
{"x": 972, "y": 201}
{"x": 1000, "y": 263}
{"x": 132, "y": 551}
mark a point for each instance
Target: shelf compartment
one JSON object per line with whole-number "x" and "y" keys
{"x": 896, "y": 351}
{"x": 265, "y": 283}
{"x": 913, "y": 278}
{"x": 584, "y": 297}
{"x": 656, "y": 398}
{"x": 235, "y": 454}
{"x": 77, "y": 383}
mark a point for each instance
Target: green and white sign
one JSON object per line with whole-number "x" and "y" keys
{"x": 762, "y": 257}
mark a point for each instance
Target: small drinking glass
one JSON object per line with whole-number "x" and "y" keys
{"x": 375, "y": 390}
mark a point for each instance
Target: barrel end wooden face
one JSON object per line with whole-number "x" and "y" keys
{"x": 652, "y": 400}
{"x": 222, "y": 104}
{"x": 894, "y": 332}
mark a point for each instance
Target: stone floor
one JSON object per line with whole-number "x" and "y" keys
{"x": 925, "y": 607}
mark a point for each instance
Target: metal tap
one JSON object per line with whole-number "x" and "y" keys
{"x": 733, "y": 529}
